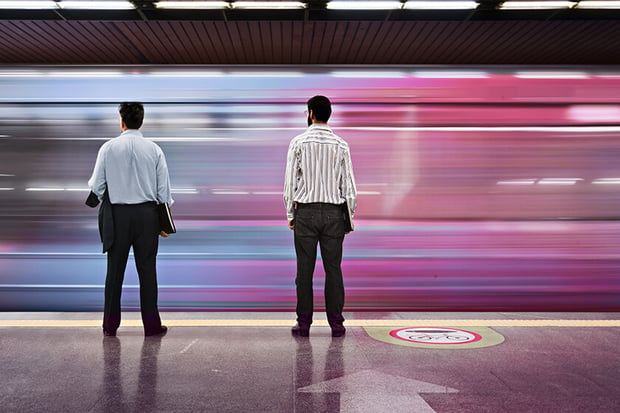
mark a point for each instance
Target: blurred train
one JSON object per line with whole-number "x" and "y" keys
{"x": 486, "y": 188}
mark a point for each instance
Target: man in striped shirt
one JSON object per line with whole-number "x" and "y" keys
{"x": 319, "y": 186}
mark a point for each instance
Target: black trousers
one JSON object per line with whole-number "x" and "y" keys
{"x": 135, "y": 226}
{"x": 322, "y": 224}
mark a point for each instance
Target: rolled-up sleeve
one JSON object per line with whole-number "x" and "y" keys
{"x": 347, "y": 183}
{"x": 289, "y": 183}
{"x": 164, "y": 194}
{"x": 97, "y": 182}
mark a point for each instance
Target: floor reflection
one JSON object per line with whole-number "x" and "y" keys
{"x": 306, "y": 375}
{"x": 114, "y": 396}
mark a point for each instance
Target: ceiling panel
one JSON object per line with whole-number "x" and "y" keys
{"x": 310, "y": 42}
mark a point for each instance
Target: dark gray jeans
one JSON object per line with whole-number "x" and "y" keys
{"x": 322, "y": 224}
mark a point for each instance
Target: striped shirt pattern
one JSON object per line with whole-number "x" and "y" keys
{"x": 318, "y": 169}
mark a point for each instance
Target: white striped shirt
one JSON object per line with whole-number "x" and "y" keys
{"x": 318, "y": 169}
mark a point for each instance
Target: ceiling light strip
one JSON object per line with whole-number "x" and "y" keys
{"x": 26, "y": 4}
{"x": 536, "y": 5}
{"x": 440, "y": 5}
{"x": 192, "y": 5}
{"x": 364, "y": 5}
{"x": 96, "y": 5}
{"x": 598, "y": 5}
{"x": 268, "y": 5}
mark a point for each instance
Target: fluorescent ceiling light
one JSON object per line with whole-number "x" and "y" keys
{"x": 598, "y": 5}
{"x": 441, "y": 5}
{"x": 525, "y": 5}
{"x": 26, "y": 4}
{"x": 551, "y": 75}
{"x": 451, "y": 75}
{"x": 364, "y": 5}
{"x": 271, "y": 5}
{"x": 96, "y": 5}
{"x": 192, "y": 5}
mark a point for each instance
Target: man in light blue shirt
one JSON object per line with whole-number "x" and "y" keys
{"x": 134, "y": 172}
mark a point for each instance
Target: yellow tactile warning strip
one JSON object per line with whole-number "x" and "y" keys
{"x": 323, "y": 323}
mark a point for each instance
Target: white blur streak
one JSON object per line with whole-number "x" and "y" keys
{"x": 451, "y": 75}
{"x": 559, "y": 181}
{"x": 7, "y": 189}
{"x": 370, "y": 75}
{"x": 227, "y": 192}
{"x": 579, "y": 129}
{"x": 517, "y": 182}
{"x": 7, "y": 175}
{"x": 184, "y": 191}
{"x": 78, "y": 189}
{"x": 594, "y": 113}
{"x": 266, "y": 74}
{"x": 607, "y": 181}
{"x": 187, "y": 74}
{"x": 86, "y": 74}
{"x": 368, "y": 193}
{"x": 37, "y": 189}
{"x": 21, "y": 73}
{"x": 552, "y": 75}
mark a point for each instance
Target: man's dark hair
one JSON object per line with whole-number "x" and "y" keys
{"x": 321, "y": 107}
{"x": 132, "y": 113}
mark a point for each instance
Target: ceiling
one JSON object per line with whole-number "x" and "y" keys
{"x": 311, "y": 36}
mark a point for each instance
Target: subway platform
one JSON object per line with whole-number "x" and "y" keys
{"x": 249, "y": 362}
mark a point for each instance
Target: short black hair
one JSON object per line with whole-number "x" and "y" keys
{"x": 321, "y": 107}
{"x": 132, "y": 113}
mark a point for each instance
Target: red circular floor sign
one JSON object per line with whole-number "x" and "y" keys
{"x": 435, "y": 335}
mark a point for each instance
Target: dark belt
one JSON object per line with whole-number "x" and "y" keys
{"x": 153, "y": 203}
{"x": 319, "y": 205}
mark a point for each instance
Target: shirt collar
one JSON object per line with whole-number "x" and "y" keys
{"x": 135, "y": 132}
{"x": 322, "y": 126}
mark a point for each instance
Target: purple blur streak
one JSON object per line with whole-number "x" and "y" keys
{"x": 479, "y": 189}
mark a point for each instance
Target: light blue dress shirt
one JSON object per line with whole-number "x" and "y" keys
{"x": 133, "y": 169}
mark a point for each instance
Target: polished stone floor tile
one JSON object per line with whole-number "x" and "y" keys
{"x": 250, "y": 369}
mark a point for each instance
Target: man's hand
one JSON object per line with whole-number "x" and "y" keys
{"x": 291, "y": 224}
{"x": 164, "y": 234}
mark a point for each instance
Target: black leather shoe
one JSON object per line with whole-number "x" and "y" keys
{"x": 109, "y": 333}
{"x": 300, "y": 331}
{"x": 339, "y": 331}
{"x": 161, "y": 332}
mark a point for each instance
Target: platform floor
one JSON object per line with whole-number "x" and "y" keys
{"x": 249, "y": 362}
